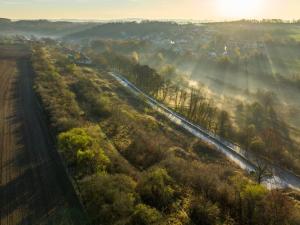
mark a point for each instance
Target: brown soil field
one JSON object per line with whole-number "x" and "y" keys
{"x": 13, "y": 51}
{"x": 34, "y": 186}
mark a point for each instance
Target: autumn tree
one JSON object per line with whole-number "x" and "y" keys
{"x": 82, "y": 151}
{"x": 109, "y": 198}
{"x": 278, "y": 209}
{"x": 224, "y": 127}
{"x": 156, "y": 188}
{"x": 204, "y": 212}
{"x": 145, "y": 215}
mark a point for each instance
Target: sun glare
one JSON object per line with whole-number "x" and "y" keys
{"x": 239, "y": 8}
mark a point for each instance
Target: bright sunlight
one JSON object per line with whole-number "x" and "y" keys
{"x": 239, "y": 8}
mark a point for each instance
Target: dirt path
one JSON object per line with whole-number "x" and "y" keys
{"x": 34, "y": 188}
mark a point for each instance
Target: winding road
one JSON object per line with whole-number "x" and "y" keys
{"x": 281, "y": 178}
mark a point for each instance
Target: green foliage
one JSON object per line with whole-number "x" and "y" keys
{"x": 76, "y": 138}
{"x": 224, "y": 61}
{"x": 110, "y": 199}
{"x": 205, "y": 192}
{"x": 58, "y": 101}
{"x": 145, "y": 150}
{"x": 254, "y": 192}
{"x": 82, "y": 151}
{"x": 145, "y": 215}
{"x": 168, "y": 71}
{"x": 71, "y": 68}
{"x": 252, "y": 196}
{"x": 156, "y": 188}
{"x": 224, "y": 127}
{"x": 96, "y": 104}
{"x": 279, "y": 209}
{"x": 204, "y": 212}
{"x": 257, "y": 145}
{"x": 135, "y": 57}
{"x": 145, "y": 77}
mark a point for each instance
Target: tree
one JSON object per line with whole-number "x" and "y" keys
{"x": 248, "y": 135}
{"x": 57, "y": 99}
{"x": 257, "y": 145}
{"x": 278, "y": 209}
{"x": 109, "y": 198}
{"x": 262, "y": 171}
{"x": 95, "y": 104}
{"x": 268, "y": 99}
{"x": 168, "y": 71}
{"x": 272, "y": 140}
{"x": 165, "y": 89}
{"x": 256, "y": 115}
{"x": 135, "y": 57}
{"x": 145, "y": 215}
{"x": 204, "y": 212}
{"x": 224, "y": 124}
{"x": 224, "y": 61}
{"x": 82, "y": 151}
{"x": 70, "y": 68}
{"x": 156, "y": 188}
{"x": 74, "y": 141}
{"x": 252, "y": 196}
{"x": 100, "y": 60}
{"x": 229, "y": 221}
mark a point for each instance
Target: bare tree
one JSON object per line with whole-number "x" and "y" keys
{"x": 263, "y": 171}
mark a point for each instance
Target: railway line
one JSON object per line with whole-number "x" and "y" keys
{"x": 281, "y": 177}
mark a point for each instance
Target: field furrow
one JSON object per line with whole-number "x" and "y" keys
{"x": 34, "y": 187}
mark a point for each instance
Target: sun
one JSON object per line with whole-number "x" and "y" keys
{"x": 239, "y": 8}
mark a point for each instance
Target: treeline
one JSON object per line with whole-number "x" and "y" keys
{"x": 59, "y": 102}
{"x": 264, "y": 132}
{"x": 38, "y": 27}
{"x": 257, "y": 127}
{"x": 263, "y": 21}
{"x": 91, "y": 101}
{"x": 134, "y": 30}
{"x": 173, "y": 195}
{"x": 125, "y": 46}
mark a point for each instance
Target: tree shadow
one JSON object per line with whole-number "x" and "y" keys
{"x": 36, "y": 189}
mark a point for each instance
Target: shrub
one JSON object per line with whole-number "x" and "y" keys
{"x": 204, "y": 212}
{"x": 145, "y": 215}
{"x": 109, "y": 198}
{"x": 82, "y": 151}
{"x": 156, "y": 188}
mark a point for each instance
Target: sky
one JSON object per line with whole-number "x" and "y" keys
{"x": 150, "y": 9}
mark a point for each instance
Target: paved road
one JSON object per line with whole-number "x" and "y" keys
{"x": 281, "y": 179}
{"x": 34, "y": 188}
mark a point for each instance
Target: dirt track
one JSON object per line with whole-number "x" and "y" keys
{"x": 34, "y": 188}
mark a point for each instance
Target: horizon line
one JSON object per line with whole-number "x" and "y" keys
{"x": 152, "y": 19}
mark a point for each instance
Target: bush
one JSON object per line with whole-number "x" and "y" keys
{"x": 109, "y": 198}
{"x": 156, "y": 188}
{"x": 96, "y": 104}
{"x": 58, "y": 101}
{"x": 257, "y": 145}
{"x": 82, "y": 151}
{"x": 204, "y": 212}
{"x": 145, "y": 215}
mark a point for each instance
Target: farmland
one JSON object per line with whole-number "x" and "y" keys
{"x": 33, "y": 184}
